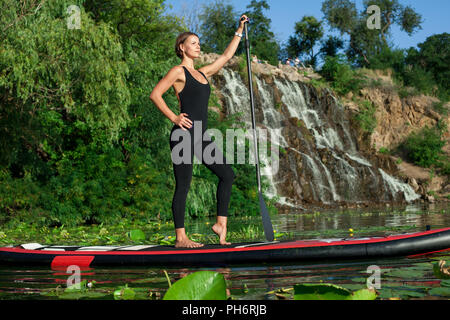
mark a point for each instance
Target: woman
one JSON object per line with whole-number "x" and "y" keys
{"x": 192, "y": 89}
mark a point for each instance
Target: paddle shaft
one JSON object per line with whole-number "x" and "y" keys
{"x": 267, "y": 224}
{"x": 252, "y": 105}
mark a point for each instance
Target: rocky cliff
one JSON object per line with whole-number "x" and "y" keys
{"x": 324, "y": 159}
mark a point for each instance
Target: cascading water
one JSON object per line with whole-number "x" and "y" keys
{"x": 323, "y": 164}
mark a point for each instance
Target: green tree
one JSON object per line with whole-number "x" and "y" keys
{"x": 433, "y": 58}
{"x": 340, "y": 75}
{"x": 80, "y": 140}
{"x": 262, "y": 39}
{"x": 365, "y": 43}
{"x": 218, "y": 23}
{"x": 425, "y": 147}
{"x": 147, "y": 35}
{"x": 56, "y": 75}
{"x": 308, "y": 33}
{"x": 75, "y": 116}
{"x": 331, "y": 46}
{"x": 340, "y": 14}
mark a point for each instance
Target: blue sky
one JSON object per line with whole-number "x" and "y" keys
{"x": 285, "y": 13}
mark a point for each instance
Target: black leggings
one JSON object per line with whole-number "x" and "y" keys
{"x": 183, "y": 177}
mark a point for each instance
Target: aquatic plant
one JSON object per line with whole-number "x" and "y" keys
{"x": 201, "y": 285}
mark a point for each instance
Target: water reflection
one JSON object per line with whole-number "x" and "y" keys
{"x": 374, "y": 222}
{"x": 249, "y": 282}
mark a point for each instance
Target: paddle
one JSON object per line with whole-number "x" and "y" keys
{"x": 267, "y": 224}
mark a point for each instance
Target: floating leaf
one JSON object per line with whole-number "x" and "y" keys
{"x": 77, "y": 287}
{"x": 407, "y": 273}
{"x": 364, "y": 294}
{"x": 124, "y": 293}
{"x": 136, "y": 235}
{"x": 445, "y": 283}
{"x": 82, "y": 294}
{"x": 443, "y": 292}
{"x": 331, "y": 292}
{"x": 76, "y": 292}
{"x": 320, "y": 292}
{"x": 202, "y": 285}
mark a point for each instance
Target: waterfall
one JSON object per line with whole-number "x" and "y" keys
{"x": 236, "y": 96}
{"x": 328, "y": 167}
{"x": 395, "y": 186}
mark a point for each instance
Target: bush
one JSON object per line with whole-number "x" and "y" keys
{"x": 343, "y": 79}
{"x": 420, "y": 79}
{"x": 425, "y": 147}
{"x": 366, "y": 116}
{"x": 388, "y": 59}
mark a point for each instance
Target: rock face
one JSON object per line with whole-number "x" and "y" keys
{"x": 323, "y": 159}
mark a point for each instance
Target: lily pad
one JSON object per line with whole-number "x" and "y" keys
{"x": 445, "y": 283}
{"x": 330, "y": 292}
{"x": 124, "y": 293}
{"x": 82, "y": 295}
{"x": 202, "y": 285}
{"x": 407, "y": 273}
{"x": 364, "y": 294}
{"x": 442, "y": 292}
{"x": 136, "y": 235}
{"x": 403, "y": 293}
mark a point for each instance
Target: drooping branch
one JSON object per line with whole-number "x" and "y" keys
{"x": 25, "y": 12}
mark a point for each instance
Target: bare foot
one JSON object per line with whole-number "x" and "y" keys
{"x": 221, "y": 231}
{"x": 186, "y": 243}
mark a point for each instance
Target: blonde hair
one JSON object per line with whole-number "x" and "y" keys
{"x": 182, "y": 37}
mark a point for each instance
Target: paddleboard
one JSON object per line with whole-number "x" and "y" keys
{"x": 239, "y": 253}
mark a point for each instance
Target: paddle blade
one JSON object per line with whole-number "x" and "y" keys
{"x": 267, "y": 224}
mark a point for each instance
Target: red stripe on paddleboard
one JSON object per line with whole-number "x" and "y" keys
{"x": 65, "y": 261}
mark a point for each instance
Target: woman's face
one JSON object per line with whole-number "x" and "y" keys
{"x": 191, "y": 47}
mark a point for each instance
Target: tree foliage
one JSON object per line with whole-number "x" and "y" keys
{"x": 80, "y": 140}
{"x": 262, "y": 39}
{"x": 331, "y": 46}
{"x": 340, "y": 14}
{"x": 218, "y": 23}
{"x": 365, "y": 43}
{"x": 59, "y": 76}
{"x": 433, "y": 57}
{"x": 308, "y": 32}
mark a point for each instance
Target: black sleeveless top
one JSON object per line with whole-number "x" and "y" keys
{"x": 194, "y": 100}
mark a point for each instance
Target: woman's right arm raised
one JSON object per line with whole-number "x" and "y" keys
{"x": 156, "y": 96}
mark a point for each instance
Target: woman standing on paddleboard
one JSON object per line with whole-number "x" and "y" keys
{"x": 192, "y": 89}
